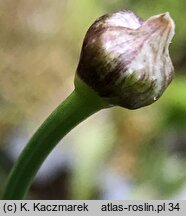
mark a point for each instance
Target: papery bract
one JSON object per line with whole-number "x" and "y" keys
{"x": 126, "y": 60}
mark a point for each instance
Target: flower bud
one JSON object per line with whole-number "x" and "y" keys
{"x": 126, "y": 60}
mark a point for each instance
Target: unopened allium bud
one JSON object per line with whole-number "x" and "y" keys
{"x": 126, "y": 60}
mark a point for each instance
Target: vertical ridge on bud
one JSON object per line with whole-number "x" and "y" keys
{"x": 126, "y": 60}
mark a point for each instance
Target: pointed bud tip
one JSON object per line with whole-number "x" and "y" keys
{"x": 162, "y": 23}
{"x": 166, "y": 16}
{"x": 162, "y": 17}
{"x": 169, "y": 24}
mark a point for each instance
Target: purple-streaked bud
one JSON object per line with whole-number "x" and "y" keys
{"x": 126, "y": 60}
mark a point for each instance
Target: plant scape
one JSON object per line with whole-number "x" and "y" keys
{"x": 124, "y": 62}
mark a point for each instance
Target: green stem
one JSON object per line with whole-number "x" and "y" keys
{"x": 67, "y": 115}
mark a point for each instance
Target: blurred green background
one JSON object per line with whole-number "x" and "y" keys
{"x": 115, "y": 154}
